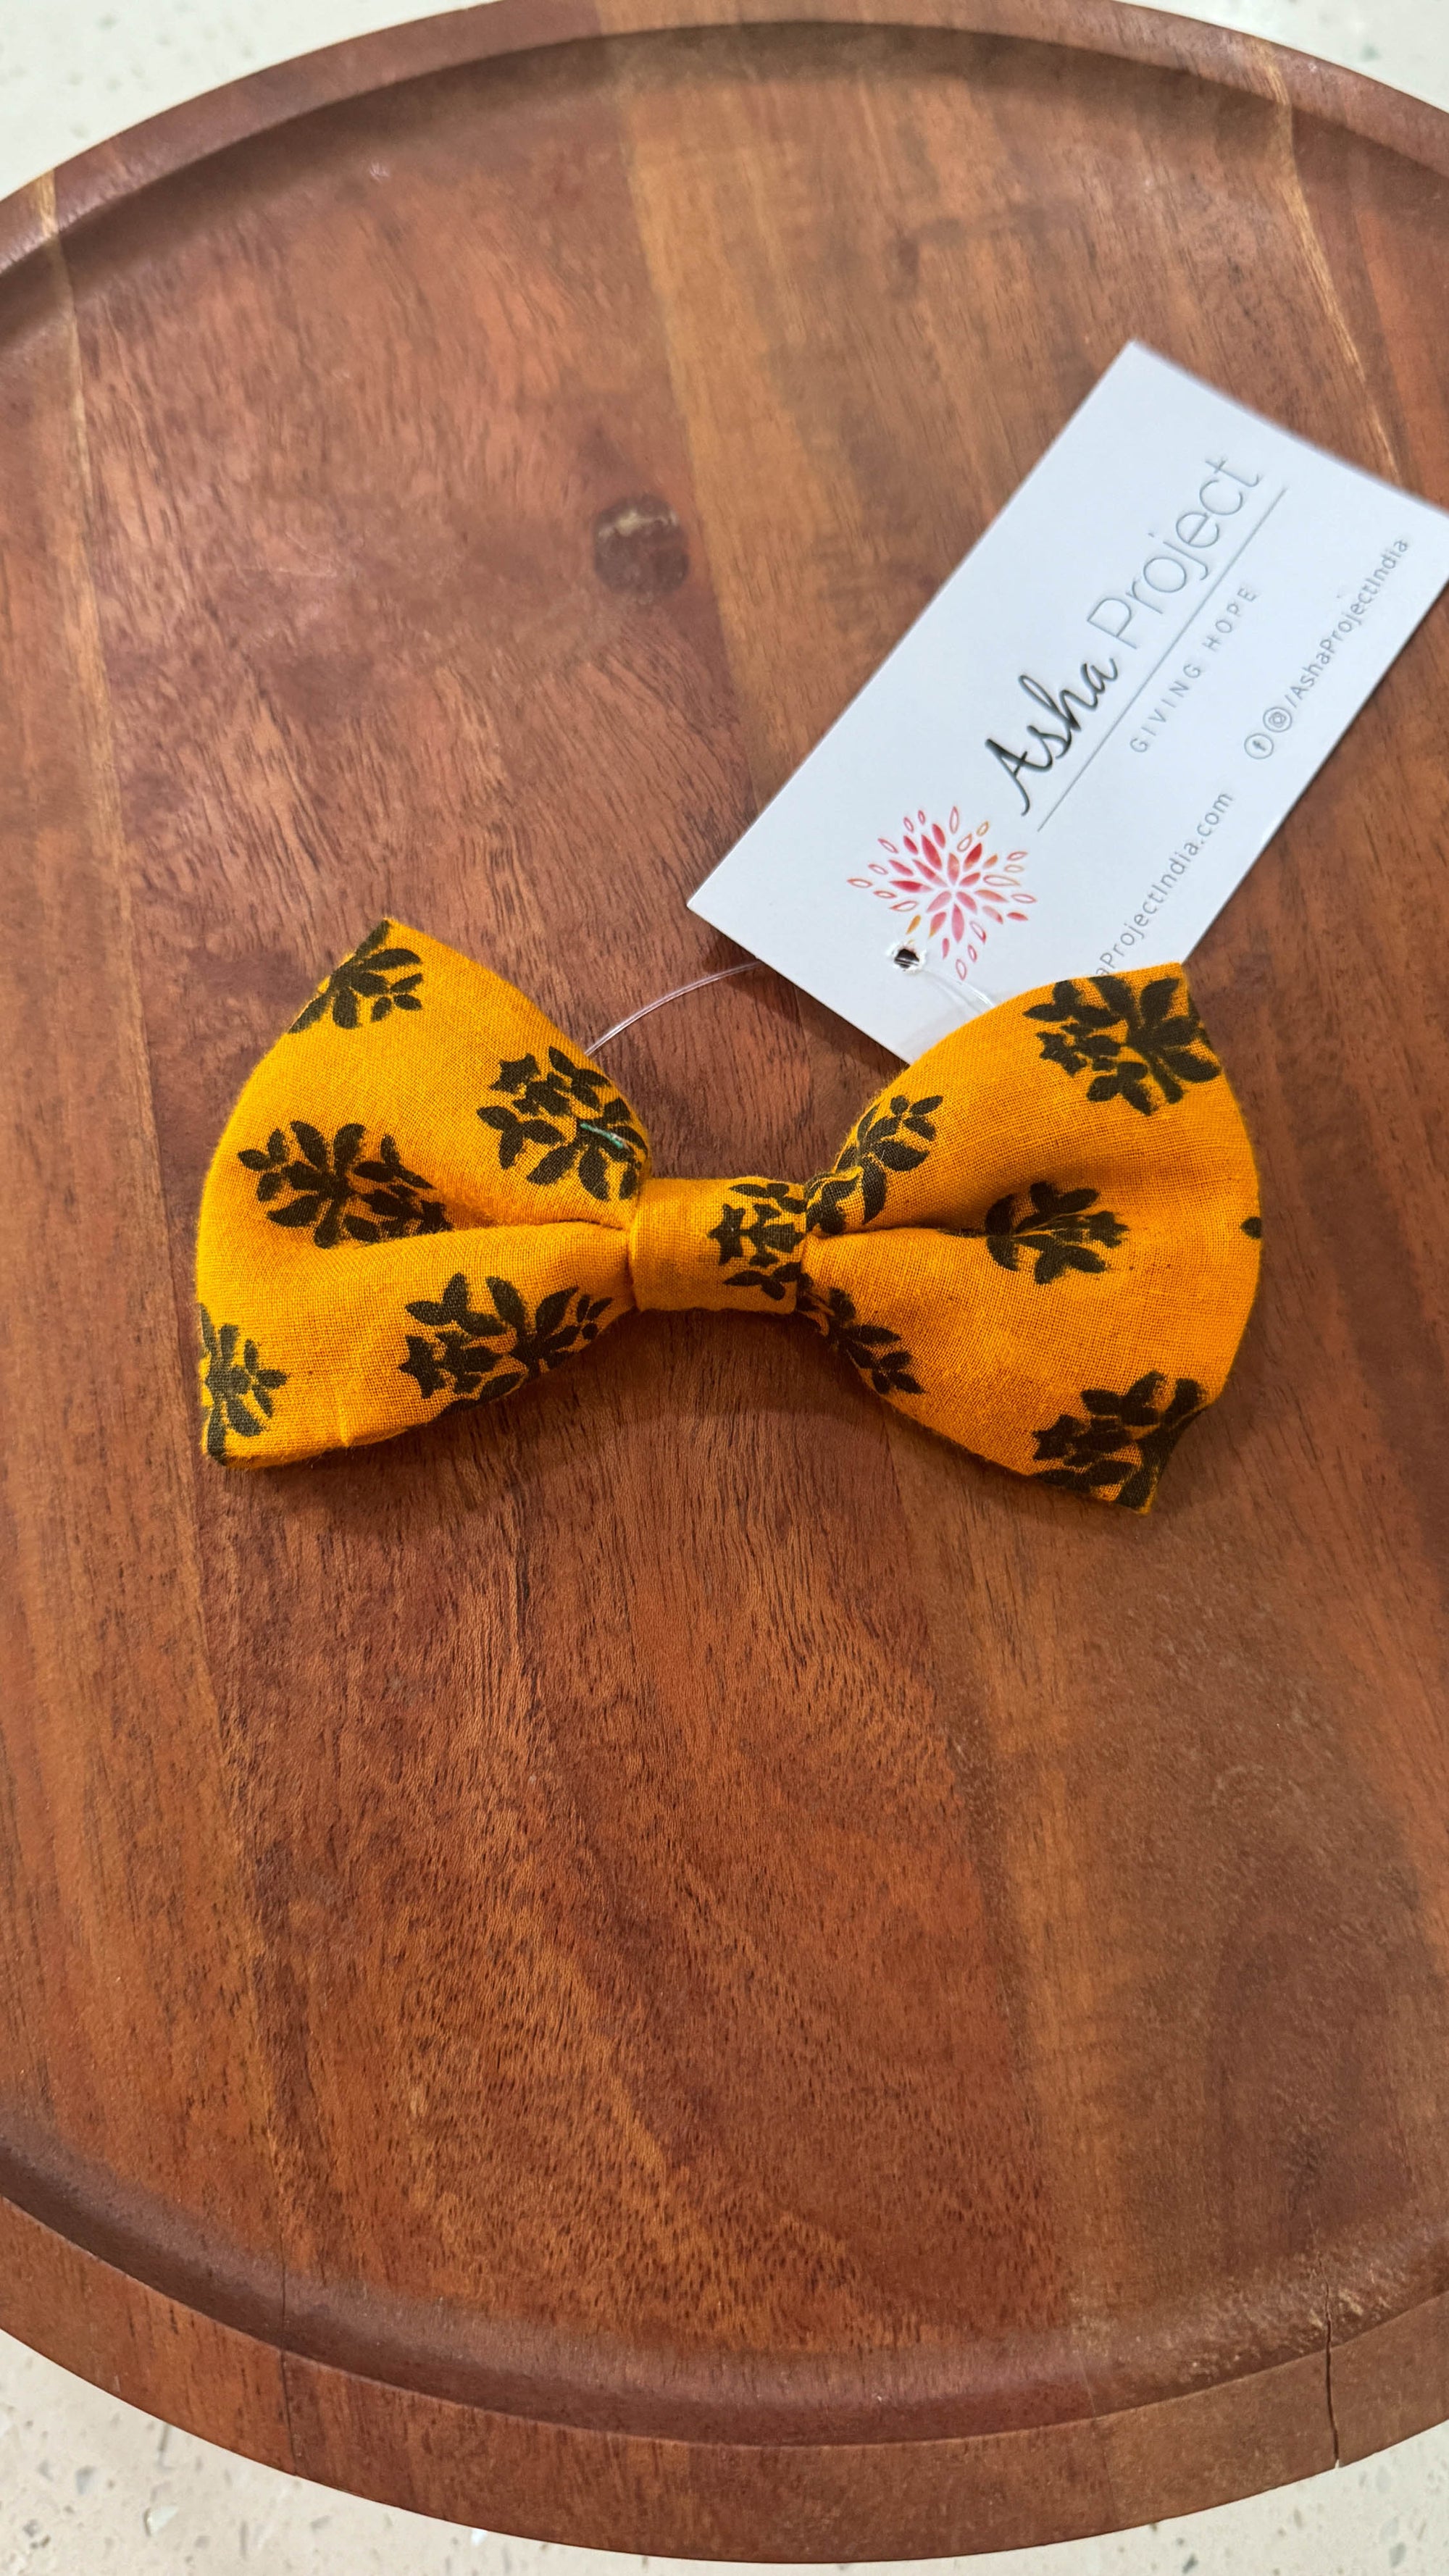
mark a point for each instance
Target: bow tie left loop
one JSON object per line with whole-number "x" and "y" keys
{"x": 1041, "y": 1240}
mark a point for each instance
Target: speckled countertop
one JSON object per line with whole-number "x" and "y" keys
{"x": 88, "y": 2485}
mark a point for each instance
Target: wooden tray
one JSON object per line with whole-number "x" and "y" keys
{"x": 678, "y": 1966}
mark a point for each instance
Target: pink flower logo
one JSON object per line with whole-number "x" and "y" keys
{"x": 949, "y": 884}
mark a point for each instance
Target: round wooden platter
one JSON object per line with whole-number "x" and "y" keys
{"x": 678, "y": 1965}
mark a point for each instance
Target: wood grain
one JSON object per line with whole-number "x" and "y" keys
{"x": 673, "y": 1967}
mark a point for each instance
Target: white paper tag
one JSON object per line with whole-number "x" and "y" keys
{"x": 1085, "y": 741}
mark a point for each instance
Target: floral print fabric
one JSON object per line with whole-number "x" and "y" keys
{"x": 1040, "y": 1241}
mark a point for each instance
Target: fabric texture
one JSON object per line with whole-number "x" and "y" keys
{"x": 1040, "y": 1240}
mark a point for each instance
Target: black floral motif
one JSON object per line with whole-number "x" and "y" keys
{"x": 1126, "y": 1440}
{"x": 232, "y": 1386}
{"x": 1128, "y": 1040}
{"x": 457, "y": 1350}
{"x": 1253, "y": 1225}
{"x": 874, "y": 1349}
{"x": 340, "y": 1198}
{"x": 575, "y": 1115}
{"x": 762, "y": 1225}
{"x": 1060, "y": 1227}
{"x": 372, "y": 974}
{"x": 875, "y": 1147}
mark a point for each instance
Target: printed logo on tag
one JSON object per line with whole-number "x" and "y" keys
{"x": 951, "y": 883}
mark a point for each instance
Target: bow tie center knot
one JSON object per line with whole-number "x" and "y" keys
{"x": 724, "y": 1244}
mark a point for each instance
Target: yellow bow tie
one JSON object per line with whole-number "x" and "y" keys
{"x": 1040, "y": 1240}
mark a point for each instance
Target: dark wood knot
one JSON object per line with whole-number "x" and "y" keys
{"x": 640, "y": 547}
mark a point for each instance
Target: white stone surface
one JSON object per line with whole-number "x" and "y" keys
{"x": 1403, "y": 41}
{"x": 92, "y": 2488}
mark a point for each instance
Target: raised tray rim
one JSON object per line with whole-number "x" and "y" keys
{"x": 78, "y": 190}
